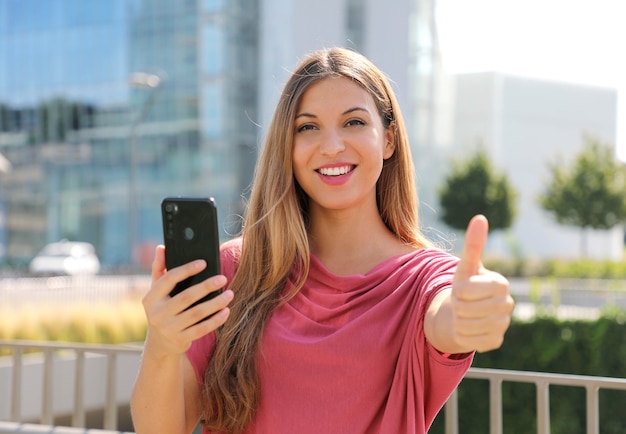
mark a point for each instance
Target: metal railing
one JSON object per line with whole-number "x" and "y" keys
{"x": 27, "y": 428}
{"x": 542, "y": 382}
{"x": 495, "y": 377}
{"x": 79, "y": 352}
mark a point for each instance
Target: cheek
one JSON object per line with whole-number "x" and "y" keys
{"x": 298, "y": 160}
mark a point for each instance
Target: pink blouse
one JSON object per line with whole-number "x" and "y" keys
{"x": 348, "y": 353}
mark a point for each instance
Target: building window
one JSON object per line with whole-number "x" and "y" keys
{"x": 212, "y": 40}
{"x": 213, "y": 107}
{"x": 212, "y": 5}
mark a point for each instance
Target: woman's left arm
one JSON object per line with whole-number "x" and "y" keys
{"x": 474, "y": 314}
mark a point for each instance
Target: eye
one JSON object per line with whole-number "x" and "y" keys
{"x": 354, "y": 122}
{"x": 305, "y": 127}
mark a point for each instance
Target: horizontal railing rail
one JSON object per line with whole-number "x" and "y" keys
{"x": 26, "y": 428}
{"x": 542, "y": 382}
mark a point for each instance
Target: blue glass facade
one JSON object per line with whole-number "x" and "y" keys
{"x": 69, "y": 117}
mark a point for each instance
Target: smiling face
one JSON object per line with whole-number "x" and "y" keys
{"x": 339, "y": 145}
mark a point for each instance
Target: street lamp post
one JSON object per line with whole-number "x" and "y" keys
{"x": 151, "y": 82}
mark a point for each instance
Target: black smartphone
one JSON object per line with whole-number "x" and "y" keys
{"x": 190, "y": 232}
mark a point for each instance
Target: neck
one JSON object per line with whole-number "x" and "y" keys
{"x": 350, "y": 242}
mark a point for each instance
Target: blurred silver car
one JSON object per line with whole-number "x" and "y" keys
{"x": 66, "y": 258}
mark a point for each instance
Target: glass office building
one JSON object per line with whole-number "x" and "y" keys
{"x": 93, "y": 146}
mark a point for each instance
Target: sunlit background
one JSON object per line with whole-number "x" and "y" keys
{"x": 563, "y": 40}
{"x": 107, "y": 106}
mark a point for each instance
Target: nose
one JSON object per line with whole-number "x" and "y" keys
{"x": 332, "y": 143}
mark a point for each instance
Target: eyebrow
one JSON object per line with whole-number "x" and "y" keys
{"x": 350, "y": 110}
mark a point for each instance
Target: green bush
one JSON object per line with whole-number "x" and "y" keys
{"x": 595, "y": 348}
{"x": 587, "y": 268}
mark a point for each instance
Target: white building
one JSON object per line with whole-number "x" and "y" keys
{"x": 524, "y": 124}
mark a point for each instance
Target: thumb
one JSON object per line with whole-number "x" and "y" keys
{"x": 475, "y": 238}
{"x": 158, "y": 264}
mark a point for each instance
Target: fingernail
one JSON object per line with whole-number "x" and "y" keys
{"x": 219, "y": 280}
{"x": 200, "y": 263}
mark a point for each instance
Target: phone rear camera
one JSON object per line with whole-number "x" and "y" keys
{"x": 170, "y": 207}
{"x": 188, "y": 233}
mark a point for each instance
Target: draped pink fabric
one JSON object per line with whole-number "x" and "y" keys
{"x": 348, "y": 354}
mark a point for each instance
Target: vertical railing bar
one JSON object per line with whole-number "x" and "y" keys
{"x": 110, "y": 409}
{"x": 16, "y": 385}
{"x": 46, "y": 410}
{"x": 543, "y": 407}
{"x": 452, "y": 413}
{"x": 495, "y": 406}
{"x": 593, "y": 417}
{"x": 78, "y": 416}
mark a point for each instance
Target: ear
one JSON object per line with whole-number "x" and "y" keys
{"x": 390, "y": 141}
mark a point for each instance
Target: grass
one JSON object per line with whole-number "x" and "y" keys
{"x": 84, "y": 323}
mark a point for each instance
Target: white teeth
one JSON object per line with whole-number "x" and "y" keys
{"x": 335, "y": 171}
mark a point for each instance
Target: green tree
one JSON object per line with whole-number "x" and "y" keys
{"x": 590, "y": 192}
{"x": 475, "y": 187}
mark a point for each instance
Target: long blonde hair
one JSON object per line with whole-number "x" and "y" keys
{"x": 275, "y": 243}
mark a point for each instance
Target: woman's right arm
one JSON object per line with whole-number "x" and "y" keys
{"x": 166, "y": 397}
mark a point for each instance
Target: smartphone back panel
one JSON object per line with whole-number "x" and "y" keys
{"x": 190, "y": 232}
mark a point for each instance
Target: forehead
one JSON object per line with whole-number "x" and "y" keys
{"x": 335, "y": 90}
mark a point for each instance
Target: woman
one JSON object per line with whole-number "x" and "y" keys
{"x": 339, "y": 316}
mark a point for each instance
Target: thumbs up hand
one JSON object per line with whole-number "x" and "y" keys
{"x": 480, "y": 302}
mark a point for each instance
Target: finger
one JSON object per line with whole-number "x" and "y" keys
{"x": 475, "y": 238}
{"x": 205, "y": 311}
{"x": 483, "y": 343}
{"x": 158, "y": 263}
{"x": 194, "y": 293}
{"x": 205, "y": 326}
{"x": 494, "y": 325}
{"x": 486, "y": 284}
{"x": 501, "y": 304}
{"x": 168, "y": 280}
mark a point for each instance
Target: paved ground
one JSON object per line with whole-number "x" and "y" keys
{"x": 63, "y": 289}
{"x": 568, "y": 298}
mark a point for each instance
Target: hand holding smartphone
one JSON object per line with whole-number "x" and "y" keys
{"x": 190, "y": 232}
